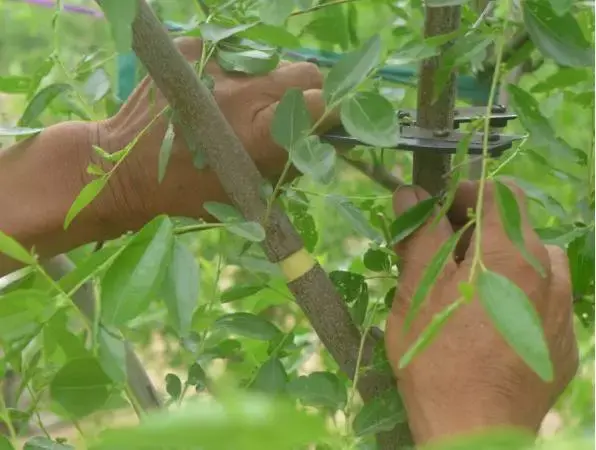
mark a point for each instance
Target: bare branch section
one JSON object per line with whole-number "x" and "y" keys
{"x": 429, "y": 169}
{"x": 205, "y": 125}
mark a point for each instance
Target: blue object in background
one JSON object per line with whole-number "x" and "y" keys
{"x": 469, "y": 88}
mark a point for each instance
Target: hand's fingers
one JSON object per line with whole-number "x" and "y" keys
{"x": 418, "y": 250}
{"x": 560, "y": 291}
{"x": 301, "y": 75}
{"x": 499, "y": 253}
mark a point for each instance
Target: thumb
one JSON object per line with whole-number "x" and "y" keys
{"x": 418, "y": 249}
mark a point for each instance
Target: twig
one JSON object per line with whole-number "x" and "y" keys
{"x": 205, "y": 124}
{"x": 377, "y": 173}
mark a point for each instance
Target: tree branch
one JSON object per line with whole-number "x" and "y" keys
{"x": 224, "y": 153}
{"x": 429, "y": 169}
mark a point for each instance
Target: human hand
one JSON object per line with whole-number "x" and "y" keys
{"x": 247, "y": 102}
{"x": 469, "y": 378}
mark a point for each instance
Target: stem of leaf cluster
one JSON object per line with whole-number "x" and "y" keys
{"x": 477, "y": 259}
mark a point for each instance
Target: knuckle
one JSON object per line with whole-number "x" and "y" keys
{"x": 312, "y": 73}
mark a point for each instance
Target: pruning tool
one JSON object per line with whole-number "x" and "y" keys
{"x": 417, "y": 139}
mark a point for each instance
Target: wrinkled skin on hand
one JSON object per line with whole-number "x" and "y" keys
{"x": 247, "y": 102}
{"x": 469, "y": 378}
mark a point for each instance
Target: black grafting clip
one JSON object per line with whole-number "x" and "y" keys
{"x": 417, "y": 139}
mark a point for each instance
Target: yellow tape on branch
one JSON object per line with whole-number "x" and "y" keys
{"x": 296, "y": 265}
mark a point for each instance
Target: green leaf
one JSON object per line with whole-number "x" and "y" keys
{"x": 512, "y": 223}
{"x": 241, "y": 291}
{"x": 371, "y": 118}
{"x": 216, "y": 33}
{"x": 516, "y": 319}
{"x": 235, "y": 222}
{"x": 442, "y": 3}
{"x": 196, "y": 375}
{"x": 359, "y": 308}
{"x": 247, "y": 325}
{"x": 80, "y": 387}
{"x": 39, "y": 74}
{"x": 165, "y": 152}
{"x": 306, "y": 227}
{"x": 39, "y": 103}
{"x": 353, "y": 215}
{"x": 276, "y": 12}
{"x": 272, "y": 35}
{"x": 559, "y": 236}
{"x": 271, "y": 378}
{"x": 351, "y": 70}
{"x": 120, "y": 15}
{"x": 241, "y": 421}
{"x": 431, "y": 274}
{"x": 581, "y": 263}
{"x": 173, "y": 386}
{"x": 44, "y": 443}
{"x": 112, "y": 355}
{"x": 429, "y": 333}
{"x": 540, "y": 129}
{"x": 381, "y": 414}
{"x": 5, "y": 444}
{"x": 314, "y": 158}
{"x": 137, "y": 273}
{"x": 89, "y": 267}
{"x": 181, "y": 288}
{"x": 291, "y": 122}
{"x": 97, "y": 85}
{"x": 389, "y": 296}
{"x": 13, "y": 249}
{"x": 252, "y": 62}
{"x": 351, "y": 286}
{"x": 557, "y": 36}
{"x": 319, "y": 389}
{"x": 19, "y": 131}
{"x": 22, "y": 311}
{"x": 14, "y": 84}
{"x": 85, "y": 197}
{"x": 411, "y": 219}
{"x": 377, "y": 260}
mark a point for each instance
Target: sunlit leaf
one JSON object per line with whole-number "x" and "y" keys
{"x": 79, "y": 379}
{"x": 558, "y": 36}
{"x": 516, "y": 319}
{"x": 10, "y": 247}
{"x": 85, "y": 197}
{"x": 247, "y": 325}
{"x": 120, "y": 15}
{"x": 319, "y": 389}
{"x": 14, "y": 84}
{"x": 215, "y": 33}
{"x": 351, "y": 70}
{"x": 314, "y": 158}
{"x": 137, "y": 273}
{"x": 22, "y": 311}
{"x": 272, "y": 35}
{"x": 381, "y": 414}
{"x": 97, "y": 85}
{"x": 271, "y": 377}
{"x": 371, "y": 118}
{"x": 291, "y": 122}
{"x": 181, "y": 288}
{"x": 512, "y": 222}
